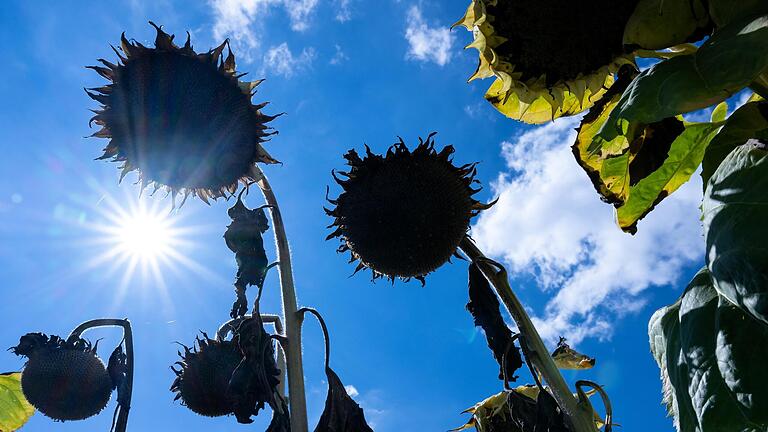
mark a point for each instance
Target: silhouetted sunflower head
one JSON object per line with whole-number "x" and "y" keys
{"x": 65, "y": 380}
{"x": 403, "y": 214}
{"x": 550, "y": 58}
{"x": 202, "y": 380}
{"x": 182, "y": 119}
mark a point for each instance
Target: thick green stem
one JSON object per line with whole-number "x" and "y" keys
{"x": 537, "y": 352}
{"x": 125, "y": 404}
{"x": 296, "y": 398}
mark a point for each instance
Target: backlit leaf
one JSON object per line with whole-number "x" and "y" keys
{"x": 735, "y": 210}
{"x": 749, "y": 121}
{"x": 727, "y": 62}
{"x": 341, "y": 413}
{"x": 685, "y": 155}
{"x": 15, "y": 411}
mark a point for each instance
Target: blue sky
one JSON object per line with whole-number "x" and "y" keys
{"x": 346, "y": 72}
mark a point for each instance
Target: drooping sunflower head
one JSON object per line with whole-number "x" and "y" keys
{"x": 550, "y": 58}
{"x": 63, "y": 379}
{"x": 202, "y": 380}
{"x": 403, "y": 214}
{"x": 182, "y": 119}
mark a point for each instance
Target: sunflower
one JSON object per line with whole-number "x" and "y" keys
{"x": 550, "y": 58}
{"x": 182, "y": 119}
{"x": 63, "y": 379}
{"x": 404, "y": 214}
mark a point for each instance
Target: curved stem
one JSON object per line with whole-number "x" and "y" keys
{"x": 125, "y": 405}
{"x": 325, "y": 332}
{"x": 537, "y": 352}
{"x": 296, "y": 398}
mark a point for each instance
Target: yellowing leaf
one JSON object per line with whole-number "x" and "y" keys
{"x": 15, "y": 411}
{"x": 685, "y": 155}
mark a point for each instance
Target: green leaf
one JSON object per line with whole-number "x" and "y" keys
{"x": 664, "y": 335}
{"x": 719, "y": 113}
{"x": 684, "y": 156}
{"x": 659, "y": 24}
{"x": 724, "y": 12}
{"x": 15, "y": 411}
{"x": 749, "y": 121}
{"x": 712, "y": 360}
{"x": 727, "y": 62}
{"x": 735, "y": 211}
{"x": 741, "y": 353}
{"x": 712, "y": 401}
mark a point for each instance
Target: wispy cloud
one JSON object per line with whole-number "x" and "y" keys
{"x": 339, "y": 56}
{"x": 426, "y": 43}
{"x": 549, "y": 223}
{"x": 279, "y": 60}
{"x": 239, "y": 19}
{"x": 343, "y": 10}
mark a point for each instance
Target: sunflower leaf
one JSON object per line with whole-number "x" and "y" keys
{"x": 749, "y": 121}
{"x": 484, "y": 307}
{"x": 711, "y": 361}
{"x": 341, "y": 413}
{"x": 735, "y": 209}
{"x": 15, "y": 411}
{"x": 730, "y": 60}
{"x": 684, "y": 156}
{"x": 659, "y": 24}
{"x": 724, "y": 12}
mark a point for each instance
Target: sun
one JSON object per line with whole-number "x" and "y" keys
{"x": 144, "y": 235}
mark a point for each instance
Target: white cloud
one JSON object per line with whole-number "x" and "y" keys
{"x": 343, "y": 11}
{"x": 236, "y": 19}
{"x": 427, "y": 43}
{"x": 351, "y": 390}
{"x": 550, "y": 223}
{"x": 339, "y": 56}
{"x": 281, "y": 61}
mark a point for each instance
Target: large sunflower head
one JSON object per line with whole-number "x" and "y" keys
{"x": 182, "y": 119}
{"x": 550, "y": 58}
{"x": 63, "y": 379}
{"x": 403, "y": 214}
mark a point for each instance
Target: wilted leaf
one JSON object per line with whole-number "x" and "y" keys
{"x": 685, "y": 155}
{"x": 749, "y": 121}
{"x": 484, "y": 307}
{"x": 495, "y": 414}
{"x": 243, "y": 237}
{"x": 341, "y": 413}
{"x": 643, "y": 164}
{"x": 735, "y": 211}
{"x": 658, "y": 24}
{"x": 566, "y": 357}
{"x": 15, "y": 411}
{"x": 727, "y": 62}
{"x": 254, "y": 381}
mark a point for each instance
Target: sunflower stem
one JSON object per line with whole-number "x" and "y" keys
{"x": 538, "y": 354}
{"x": 296, "y": 398}
{"x": 125, "y": 405}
